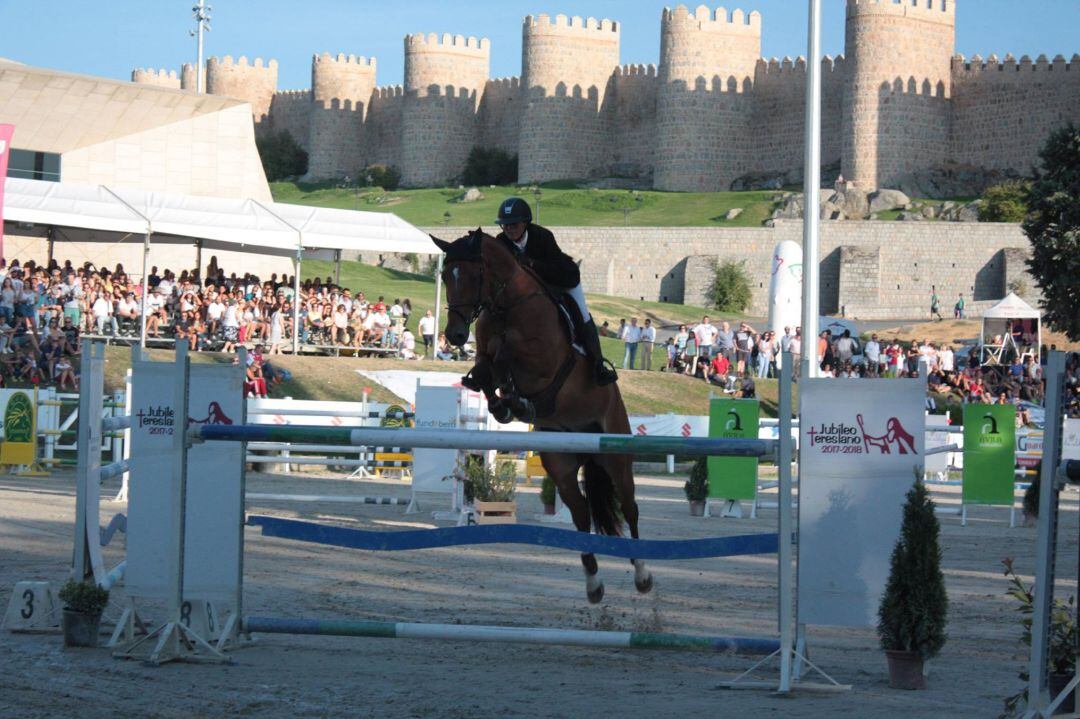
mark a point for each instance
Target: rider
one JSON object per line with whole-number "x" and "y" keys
{"x": 535, "y": 247}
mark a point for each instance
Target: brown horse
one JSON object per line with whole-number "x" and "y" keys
{"x": 527, "y": 369}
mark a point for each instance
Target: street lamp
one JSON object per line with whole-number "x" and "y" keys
{"x": 201, "y": 13}
{"x": 536, "y": 194}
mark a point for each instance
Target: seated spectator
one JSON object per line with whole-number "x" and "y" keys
{"x": 444, "y": 350}
{"x": 717, "y": 370}
{"x": 745, "y": 388}
{"x": 64, "y": 373}
{"x": 407, "y": 345}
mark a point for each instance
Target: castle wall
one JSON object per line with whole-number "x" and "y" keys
{"x": 899, "y": 79}
{"x": 499, "y": 114}
{"x": 704, "y": 106}
{"x": 633, "y": 121}
{"x": 255, "y": 83}
{"x": 567, "y": 66}
{"x": 1004, "y": 111}
{"x": 158, "y": 78}
{"x": 342, "y": 87}
{"x": 444, "y": 79}
{"x": 290, "y": 111}
{"x": 382, "y": 131}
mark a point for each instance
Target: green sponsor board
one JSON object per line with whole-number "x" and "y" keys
{"x": 733, "y": 477}
{"x": 989, "y": 453}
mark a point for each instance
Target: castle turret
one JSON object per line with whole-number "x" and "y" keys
{"x": 704, "y": 105}
{"x": 567, "y": 65}
{"x": 444, "y": 81}
{"x": 899, "y": 81}
{"x": 188, "y": 80}
{"x": 341, "y": 89}
{"x": 158, "y": 78}
{"x": 255, "y": 83}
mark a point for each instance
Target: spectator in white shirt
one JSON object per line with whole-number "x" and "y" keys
{"x": 427, "y": 331}
{"x": 705, "y": 334}
{"x": 631, "y": 335}
{"x": 102, "y": 310}
{"x": 872, "y": 352}
{"x": 648, "y": 340}
{"x": 946, "y": 359}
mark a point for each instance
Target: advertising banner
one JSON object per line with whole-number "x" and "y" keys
{"x": 436, "y": 408}
{"x": 861, "y": 445}
{"x": 989, "y": 453}
{"x": 20, "y": 429}
{"x": 1070, "y": 440}
{"x": 733, "y": 477}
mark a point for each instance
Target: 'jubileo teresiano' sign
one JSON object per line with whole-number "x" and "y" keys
{"x": 989, "y": 453}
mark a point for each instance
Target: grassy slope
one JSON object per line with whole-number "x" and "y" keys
{"x": 558, "y": 205}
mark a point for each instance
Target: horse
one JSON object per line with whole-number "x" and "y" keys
{"x": 528, "y": 369}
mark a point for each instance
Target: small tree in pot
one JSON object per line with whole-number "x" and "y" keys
{"x": 83, "y": 604}
{"x": 697, "y": 487}
{"x": 914, "y": 608}
{"x": 547, "y": 494}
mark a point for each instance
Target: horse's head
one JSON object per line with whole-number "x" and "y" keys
{"x": 464, "y": 277}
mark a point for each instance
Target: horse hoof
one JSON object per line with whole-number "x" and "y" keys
{"x": 595, "y": 596}
{"x": 502, "y": 414}
{"x": 644, "y": 586}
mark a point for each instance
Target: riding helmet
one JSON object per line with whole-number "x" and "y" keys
{"x": 513, "y": 209}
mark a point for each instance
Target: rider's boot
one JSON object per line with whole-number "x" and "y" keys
{"x": 590, "y": 340}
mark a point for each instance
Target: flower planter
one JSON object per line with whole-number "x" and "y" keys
{"x": 905, "y": 670}
{"x": 1057, "y": 682}
{"x": 80, "y": 629}
{"x": 697, "y": 508}
{"x": 495, "y": 512}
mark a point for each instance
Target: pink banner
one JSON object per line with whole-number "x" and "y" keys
{"x": 6, "y": 131}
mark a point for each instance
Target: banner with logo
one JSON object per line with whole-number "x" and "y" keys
{"x": 20, "y": 429}
{"x": 6, "y": 133}
{"x": 989, "y": 453}
{"x": 1070, "y": 440}
{"x": 1029, "y": 447}
{"x": 733, "y": 477}
{"x": 861, "y": 444}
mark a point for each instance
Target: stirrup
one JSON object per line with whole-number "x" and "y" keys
{"x": 605, "y": 373}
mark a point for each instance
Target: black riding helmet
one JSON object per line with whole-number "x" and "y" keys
{"x": 513, "y": 209}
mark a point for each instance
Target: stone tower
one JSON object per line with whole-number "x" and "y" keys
{"x": 566, "y": 65}
{"x": 704, "y": 103}
{"x": 444, "y": 81}
{"x": 188, "y": 80}
{"x": 341, "y": 89}
{"x": 899, "y": 82}
{"x": 255, "y": 83}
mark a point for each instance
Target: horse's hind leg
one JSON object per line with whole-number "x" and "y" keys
{"x": 621, "y": 470}
{"x": 564, "y": 470}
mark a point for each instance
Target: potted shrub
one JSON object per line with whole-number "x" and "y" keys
{"x": 697, "y": 487}
{"x": 1031, "y": 499}
{"x": 490, "y": 491}
{"x": 547, "y": 494}
{"x": 1062, "y": 644}
{"x": 83, "y": 604}
{"x": 913, "y": 609}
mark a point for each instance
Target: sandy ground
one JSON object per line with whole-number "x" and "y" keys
{"x": 287, "y": 676}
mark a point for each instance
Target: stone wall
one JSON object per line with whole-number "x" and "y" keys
{"x": 500, "y": 114}
{"x": 633, "y": 121}
{"x": 255, "y": 83}
{"x": 868, "y": 270}
{"x": 158, "y": 78}
{"x": 290, "y": 111}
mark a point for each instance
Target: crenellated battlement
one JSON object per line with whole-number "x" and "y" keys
{"x": 293, "y": 95}
{"x": 388, "y": 91}
{"x": 227, "y": 61}
{"x": 544, "y": 24}
{"x": 503, "y": 83}
{"x": 420, "y": 42}
{"x": 936, "y": 11}
{"x": 636, "y": 70}
{"x": 150, "y": 75}
{"x": 343, "y": 59}
{"x": 1009, "y": 68}
{"x": 774, "y": 67}
{"x": 719, "y": 20}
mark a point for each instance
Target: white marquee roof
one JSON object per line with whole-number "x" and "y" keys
{"x": 1011, "y": 308}
{"x": 270, "y": 228}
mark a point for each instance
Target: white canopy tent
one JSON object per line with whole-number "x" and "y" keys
{"x": 246, "y": 225}
{"x": 1011, "y": 323}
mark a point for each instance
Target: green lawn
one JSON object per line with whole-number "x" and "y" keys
{"x": 560, "y": 204}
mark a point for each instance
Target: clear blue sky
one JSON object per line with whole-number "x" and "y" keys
{"x": 111, "y": 37}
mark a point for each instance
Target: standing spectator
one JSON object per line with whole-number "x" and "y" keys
{"x": 427, "y": 331}
{"x": 631, "y": 335}
{"x": 648, "y": 341}
{"x": 744, "y": 345}
{"x": 725, "y": 341}
{"x": 406, "y": 308}
{"x": 277, "y": 329}
{"x": 845, "y": 348}
{"x": 705, "y": 334}
{"x": 872, "y": 352}
{"x": 796, "y": 352}
{"x": 680, "y": 339}
{"x": 7, "y": 301}
{"x": 946, "y": 360}
{"x": 766, "y": 348}
{"x": 958, "y": 308}
{"x": 230, "y": 324}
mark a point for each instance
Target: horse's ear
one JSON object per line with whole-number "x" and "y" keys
{"x": 441, "y": 244}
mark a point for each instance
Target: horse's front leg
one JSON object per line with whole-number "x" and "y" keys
{"x": 563, "y": 469}
{"x": 481, "y": 378}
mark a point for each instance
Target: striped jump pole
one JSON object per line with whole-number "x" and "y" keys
{"x": 568, "y": 442}
{"x": 524, "y": 635}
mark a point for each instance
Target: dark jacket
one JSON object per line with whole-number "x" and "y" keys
{"x": 544, "y": 256}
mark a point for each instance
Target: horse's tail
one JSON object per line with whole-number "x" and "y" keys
{"x": 600, "y": 495}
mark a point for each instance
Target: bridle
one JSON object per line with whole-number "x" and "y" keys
{"x": 491, "y": 304}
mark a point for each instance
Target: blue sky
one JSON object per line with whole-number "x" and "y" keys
{"x": 111, "y": 37}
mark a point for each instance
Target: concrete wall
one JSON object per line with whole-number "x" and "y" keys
{"x": 871, "y": 270}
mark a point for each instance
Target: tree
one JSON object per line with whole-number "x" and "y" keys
{"x": 281, "y": 156}
{"x": 490, "y": 167}
{"x": 1006, "y": 202}
{"x": 1053, "y": 227}
{"x": 730, "y": 289}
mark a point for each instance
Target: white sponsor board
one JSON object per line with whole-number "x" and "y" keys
{"x": 938, "y": 463}
{"x": 1070, "y": 440}
{"x": 215, "y": 506}
{"x": 436, "y": 408}
{"x": 860, "y": 442}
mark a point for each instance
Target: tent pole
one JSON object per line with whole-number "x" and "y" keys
{"x": 337, "y": 268}
{"x": 198, "y": 259}
{"x": 438, "y": 295}
{"x": 145, "y": 290}
{"x": 296, "y": 305}
{"x": 51, "y": 237}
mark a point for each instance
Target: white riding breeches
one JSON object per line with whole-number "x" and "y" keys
{"x": 579, "y": 298}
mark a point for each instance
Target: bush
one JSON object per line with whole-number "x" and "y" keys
{"x": 84, "y": 597}
{"x": 490, "y": 167}
{"x": 697, "y": 487}
{"x": 383, "y": 176}
{"x": 730, "y": 288}
{"x": 484, "y": 484}
{"x": 281, "y": 156}
{"x": 1006, "y": 202}
{"x": 547, "y": 491}
{"x": 913, "y": 609}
